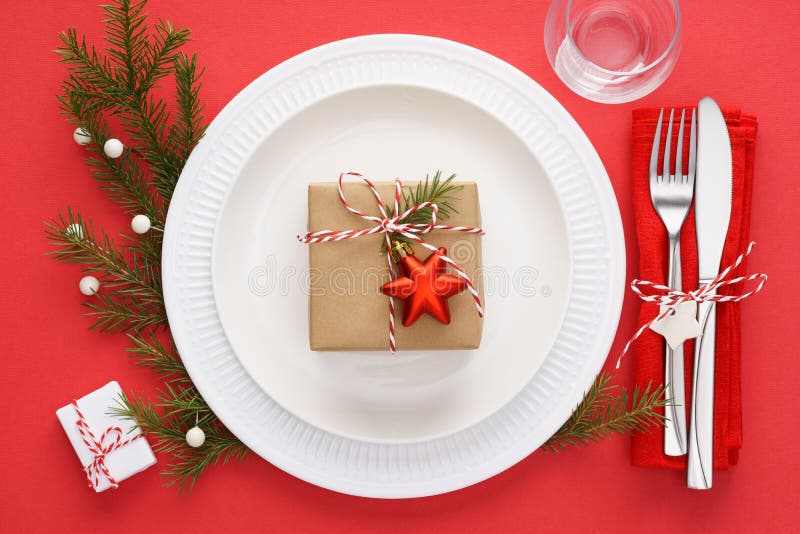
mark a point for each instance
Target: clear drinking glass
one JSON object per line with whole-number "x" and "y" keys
{"x": 613, "y": 51}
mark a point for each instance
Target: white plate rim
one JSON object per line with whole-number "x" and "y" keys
{"x": 439, "y": 465}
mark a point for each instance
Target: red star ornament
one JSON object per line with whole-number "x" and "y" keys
{"x": 425, "y": 288}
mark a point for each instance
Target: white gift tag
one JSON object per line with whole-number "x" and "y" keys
{"x": 679, "y": 325}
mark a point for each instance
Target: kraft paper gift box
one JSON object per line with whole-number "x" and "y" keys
{"x": 347, "y": 310}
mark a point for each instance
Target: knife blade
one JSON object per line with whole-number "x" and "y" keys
{"x": 713, "y": 198}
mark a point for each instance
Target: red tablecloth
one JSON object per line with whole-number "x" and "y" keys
{"x": 747, "y": 56}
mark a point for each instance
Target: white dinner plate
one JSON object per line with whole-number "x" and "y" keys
{"x": 236, "y": 279}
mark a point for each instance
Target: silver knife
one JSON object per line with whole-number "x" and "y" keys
{"x": 713, "y": 196}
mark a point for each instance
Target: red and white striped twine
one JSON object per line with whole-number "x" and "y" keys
{"x": 670, "y": 298}
{"x": 391, "y": 225}
{"x": 109, "y": 441}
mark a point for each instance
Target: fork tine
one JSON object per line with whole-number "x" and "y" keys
{"x": 692, "y": 149}
{"x": 667, "y": 145}
{"x": 654, "y": 151}
{"x": 679, "y": 176}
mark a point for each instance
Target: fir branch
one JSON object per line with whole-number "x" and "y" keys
{"x": 87, "y": 65}
{"x": 123, "y": 178}
{"x": 435, "y": 190}
{"x": 126, "y": 33}
{"x": 114, "y": 314}
{"x": 185, "y": 404}
{"x": 122, "y": 86}
{"x": 144, "y": 117}
{"x": 119, "y": 84}
{"x": 161, "y": 52}
{"x": 145, "y": 121}
{"x": 126, "y": 182}
{"x": 133, "y": 277}
{"x": 131, "y": 296}
{"x": 149, "y": 421}
{"x": 146, "y": 246}
{"x": 168, "y": 431}
{"x": 602, "y": 414}
{"x": 149, "y": 351}
{"x": 188, "y": 128}
{"x": 599, "y": 394}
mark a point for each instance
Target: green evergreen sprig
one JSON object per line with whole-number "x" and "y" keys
{"x": 118, "y": 89}
{"x": 120, "y": 85}
{"x": 165, "y": 423}
{"x": 437, "y": 190}
{"x": 606, "y": 410}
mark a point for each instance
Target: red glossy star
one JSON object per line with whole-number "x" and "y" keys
{"x": 425, "y": 288}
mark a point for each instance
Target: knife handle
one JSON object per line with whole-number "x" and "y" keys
{"x": 700, "y": 462}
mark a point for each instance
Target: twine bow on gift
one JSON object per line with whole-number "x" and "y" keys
{"x": 110, "y": 440}
{"x": 670, "y": 298}
{"x": 386, "y": 225}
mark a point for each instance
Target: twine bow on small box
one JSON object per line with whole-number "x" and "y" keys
{"x": 110, "y": 440}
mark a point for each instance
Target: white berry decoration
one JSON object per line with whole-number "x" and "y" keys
{"x": 113, "y": 148}
{"x": 81, "y": 136}
{"x": 89, "y": 285}
{"x": 75, "y": 229}
{"x": 140, "y": 224}
{"x": 195, "y": 437}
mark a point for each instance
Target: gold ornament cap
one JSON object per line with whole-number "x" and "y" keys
{"x": 401, "y": 249}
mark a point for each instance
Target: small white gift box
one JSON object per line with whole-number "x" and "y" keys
{"x": 110, "y": 448}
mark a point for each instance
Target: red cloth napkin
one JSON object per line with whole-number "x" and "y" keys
{"x": 648, "y": 352}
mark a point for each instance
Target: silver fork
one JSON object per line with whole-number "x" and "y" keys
{"x": 671, "y": 194}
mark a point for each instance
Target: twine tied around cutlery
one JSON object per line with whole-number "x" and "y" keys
{"x": 386, "y": 225}
{"x": 671, "y": 298}
{"x": 109, "y": 441}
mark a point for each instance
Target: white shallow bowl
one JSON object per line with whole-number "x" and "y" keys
{"x": 417, "y": 423}
{"x": 260, "y": 270}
